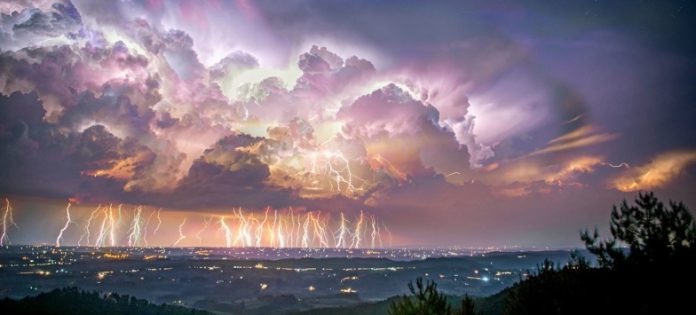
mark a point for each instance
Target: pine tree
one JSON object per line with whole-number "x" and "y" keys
{"x": 467, "y": 306}
{"x": 652, "y": 232}
{"x": 425, "y": 300}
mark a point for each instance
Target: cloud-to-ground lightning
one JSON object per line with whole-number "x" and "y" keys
{"x": 319, "y": 230}
{"x": 86, "y": 234}
{"x": 374, "y": 236}
{"x": 159, "y": 222}
{"x": 181, "y": 233}
{"x": 305, "y": 232}
{"x": 228, "y": 232}
{"x": 272, "y": 231}
{"x": 390, "y": 235}
{"x": 206, "y": 223}
{"x": 103, "y": 229}
{"x": 113, "y": 224}
{"x": 7, "y": 218}
{"x": 342, "y": 232}
{"x": 242, "y": 228}
{"x": 357, "y": 232}
{"x": 259, "y": 229}
{"x": 145, "y": 229}
{"x": 68, "y": 221}
{"x": 135, "y": 230}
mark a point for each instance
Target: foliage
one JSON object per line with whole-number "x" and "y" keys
{"x": 490, "y": 305}
{"x": 426, "y": 301}
{"x": 647, "y": 277}
{"x": 467, "y": 306}
{"x": 653, "y": 233}
{"x": 571, "y": 289}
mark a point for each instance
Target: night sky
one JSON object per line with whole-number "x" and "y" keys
{"x": 478, "y": 123}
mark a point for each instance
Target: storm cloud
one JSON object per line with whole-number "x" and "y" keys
{"x": 416, "y": 112}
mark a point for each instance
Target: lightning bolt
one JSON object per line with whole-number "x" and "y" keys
{"x": 112, "y": 225}
{"x": 67, "y": 223}
{"x": 332, "y": 168}
{"x": 206, "y": 223}
{"x": 305, "y": 231}
{"x": 291, "y": 237}
{"x": 337, "y": 171}
{"x": 286, "y": 229}
{"x": 389, "y": 233}
{"x": 297, "y": 226}
{"x": 159, "y": 222}
{"x": 228, "y": 232}
{"x": 620, "y": 165}
{"x": 86, "y": 234}
{"x": 181, "y": 233}
{"x": 375, "y": 231}
{"x": 320, "y": 231}
{"x": 357, "y": 235}
{"x": 7, "y": 218}
{"x": 245, "y": 228}
{"x": 135, "y": 228}
{"x": 342, "y": 232}
{"x": 273, "y": 228}
{"x": 101, "y": 237}
{"x": 259, "y": 229}
{"x": 147, "y": 224}
{"x": 281, "y": 236}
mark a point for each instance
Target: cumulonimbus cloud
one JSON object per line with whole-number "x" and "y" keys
{"x": 99, "y": 105}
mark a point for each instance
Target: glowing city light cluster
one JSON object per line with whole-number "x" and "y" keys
{"x": 122, "y": 226}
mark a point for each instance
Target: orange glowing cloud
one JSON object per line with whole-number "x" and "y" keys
{"x": 123, "y": 169}
{"x": 583, "y": 164}
{"x": 557, "y": 173}
{"x": 658, "y": 173}
{"x": 582, "y": 137}
{"x": 525, "y": 178}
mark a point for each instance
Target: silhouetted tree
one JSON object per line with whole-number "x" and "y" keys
{"x": 645, "y": 265}
{"x": 467, "y": 306}
{"x": 652, "y": 232}
{"x": 426, "y": 300}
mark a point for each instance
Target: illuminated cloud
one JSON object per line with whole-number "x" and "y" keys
{"x": 326, "y": 127}
{"x": 37, "y": 23}
{"x": 581, "y": 137}
{"x": 469, "y": 117}
{"x": 530, "y": 176}
{"x": 403, "y": 131}
{"x": 662, "y": 170}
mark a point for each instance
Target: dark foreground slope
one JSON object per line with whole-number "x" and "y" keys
{"x": 78, "y": 302}
{"x": 491, "y": 305}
